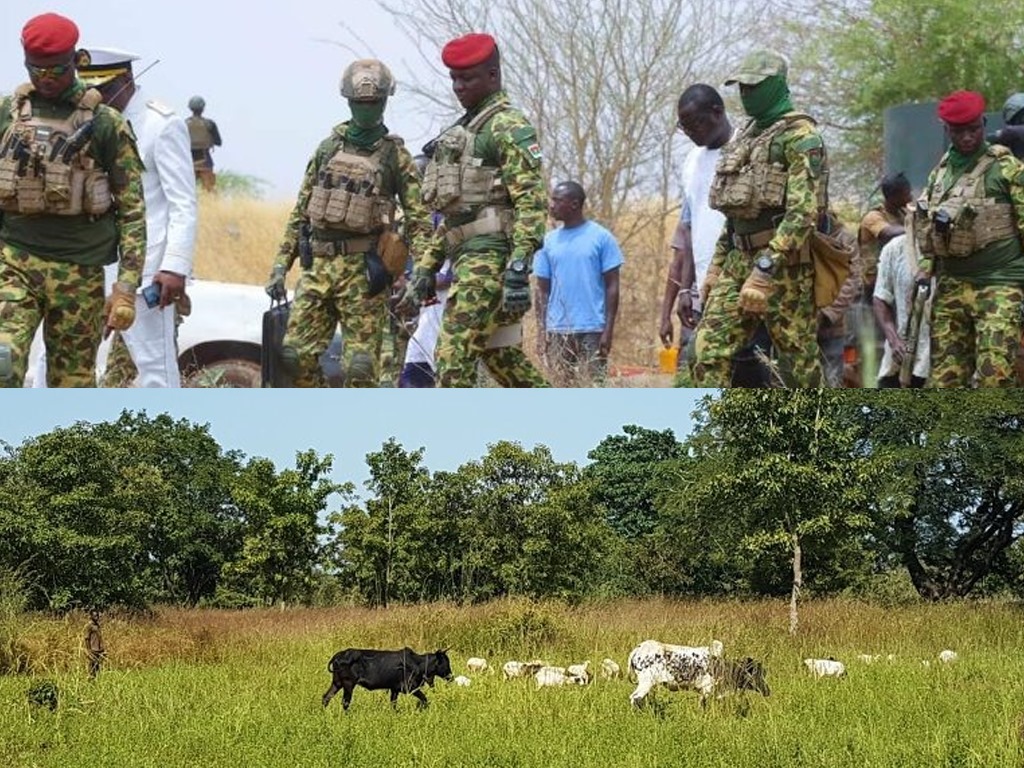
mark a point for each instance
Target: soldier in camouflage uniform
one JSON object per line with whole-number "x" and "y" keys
{"x": 485, "y": 178}
{"x": 348, "y": 200}
{"x": 771, "y": 183}
{"x": 71, "y": 196}
{"x": 969, "y": 224}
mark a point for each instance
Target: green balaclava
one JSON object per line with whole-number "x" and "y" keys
{"x": 960, "y": 163}
{"x": 366, "y": 127}
{"x": 767, "y": 101}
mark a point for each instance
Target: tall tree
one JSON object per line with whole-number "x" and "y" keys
{"x": 281, "y": 550}
{"x": 602, "y": 94}
{"x": 184, "y": 480}
{"x": 782, "y": 470}
{"x": 623, "y": 467}
{"x": 73, "y": 521}
{"x": 382, "y": 543}
{"x": 955, "y": 503}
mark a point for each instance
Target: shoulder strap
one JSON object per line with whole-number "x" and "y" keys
{"x": 486, "y": 114}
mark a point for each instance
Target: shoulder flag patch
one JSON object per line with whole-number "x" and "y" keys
{"x": 534, "y": 150}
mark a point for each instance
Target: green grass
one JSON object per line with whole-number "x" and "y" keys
{"x": 252, "y": 697}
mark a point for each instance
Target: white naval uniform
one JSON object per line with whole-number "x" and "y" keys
{"x": 169, "y": 189}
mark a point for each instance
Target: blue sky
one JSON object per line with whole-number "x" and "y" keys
{"x": 454, "y": 426}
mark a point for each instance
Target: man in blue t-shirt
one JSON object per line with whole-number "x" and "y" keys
{"x": 577, "y": 272}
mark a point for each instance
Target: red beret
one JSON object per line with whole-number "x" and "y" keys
{"x": 961, "y": 107}
{"x": 468, "y": 51}
{"x": 48, "y": 35}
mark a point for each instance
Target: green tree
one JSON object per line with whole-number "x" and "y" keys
{"x": 623, "y": 467}
{"x": 954, "y": 506}
{"x": 383, "y": 546}
{"x": 781, "y": 471}
{"x": 73, "y": 521}
{"x": 859, "y": 57}
{"x": 281, "y": 553}
{"x": 183, "y": 479}
{"x": 536, "y": 529}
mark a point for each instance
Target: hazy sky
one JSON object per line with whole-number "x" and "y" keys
{"x": 269, "y": 79}
{"x": 454, "y": 426}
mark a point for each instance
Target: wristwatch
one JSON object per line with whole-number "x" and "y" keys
{"x": 517, "y": 267}
{"x": 765, "y": 263}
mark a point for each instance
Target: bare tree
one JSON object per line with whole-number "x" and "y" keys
{"x": 599, "y": 80}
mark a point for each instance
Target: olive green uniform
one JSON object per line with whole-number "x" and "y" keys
{"x": 502, "y": 219}
{"x": 51, "y": 264}
{"x": 970, "y": 236}
{"x": 334, "y": 289}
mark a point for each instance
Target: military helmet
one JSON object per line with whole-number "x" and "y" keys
{"x": 197, "y": 103}
{"x": 1013, "y": 109}
{"x": 367, "y": 80}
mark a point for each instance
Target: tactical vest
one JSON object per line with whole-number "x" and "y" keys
{"x": 348, "y": 192}
{"x": 199, "y": 133}
{"x": 41, "y": 171}
{"x": 747, "y": 181}
{"x": 456, "y": 183}
{"x": 963, "y": 220}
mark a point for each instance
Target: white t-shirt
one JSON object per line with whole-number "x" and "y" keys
{"x": 704, "y": 221}
{"x": 895, "y": 286}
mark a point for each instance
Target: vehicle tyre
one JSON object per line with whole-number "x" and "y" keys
{"x": 230, "y": 373}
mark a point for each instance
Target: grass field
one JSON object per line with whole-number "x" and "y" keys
{"x": 218, "y": 688}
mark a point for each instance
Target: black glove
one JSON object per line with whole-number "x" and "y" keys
{"x": 275, "y": 285}
{"x": 420, "y": 288}
{"x": 515, "y": 288}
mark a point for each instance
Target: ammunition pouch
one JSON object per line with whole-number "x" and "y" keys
{"x": 41, "y": 172}
{"x": 963, "y": 220}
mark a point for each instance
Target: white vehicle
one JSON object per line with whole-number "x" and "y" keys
{"x": 220, "y": 342}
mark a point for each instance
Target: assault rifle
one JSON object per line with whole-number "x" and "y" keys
{"x": 912, "y": 335}
{"x": 67, "y": 147}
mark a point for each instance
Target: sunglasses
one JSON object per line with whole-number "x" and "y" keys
{"x": 57, "y": 70}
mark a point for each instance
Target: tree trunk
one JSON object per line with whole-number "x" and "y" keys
{"x": 798, "y": 582}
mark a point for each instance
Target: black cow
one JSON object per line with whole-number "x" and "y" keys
{"x": 403, "y": 671}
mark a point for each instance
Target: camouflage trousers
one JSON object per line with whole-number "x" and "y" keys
{"x": 333, "y": 292}
{"x": 394, "y": 343}
{"x": 471, "y": 315}
{"x": 975, "y": 334}
{"x": 67, "y": 299}
{"x": 791, "y": 320}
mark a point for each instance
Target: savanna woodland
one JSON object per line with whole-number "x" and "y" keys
{"x": 774, "y": 493}
{"x": 877, "y": 529}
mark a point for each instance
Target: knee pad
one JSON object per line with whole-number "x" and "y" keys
{"x": 360, "y": 369}
{"x": 6, "y": 362}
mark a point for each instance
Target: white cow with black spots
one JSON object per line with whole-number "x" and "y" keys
{"x": 684, "y": 667}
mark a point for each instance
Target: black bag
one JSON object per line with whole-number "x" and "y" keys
{"x": 275, "y": 323}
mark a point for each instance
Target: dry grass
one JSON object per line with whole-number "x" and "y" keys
{"x": 238, "y": 239}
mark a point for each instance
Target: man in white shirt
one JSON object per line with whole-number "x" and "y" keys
{"x": 701, "y": 116}
{"x": 169, "y": 189}
{"x": 894, "y": 290}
